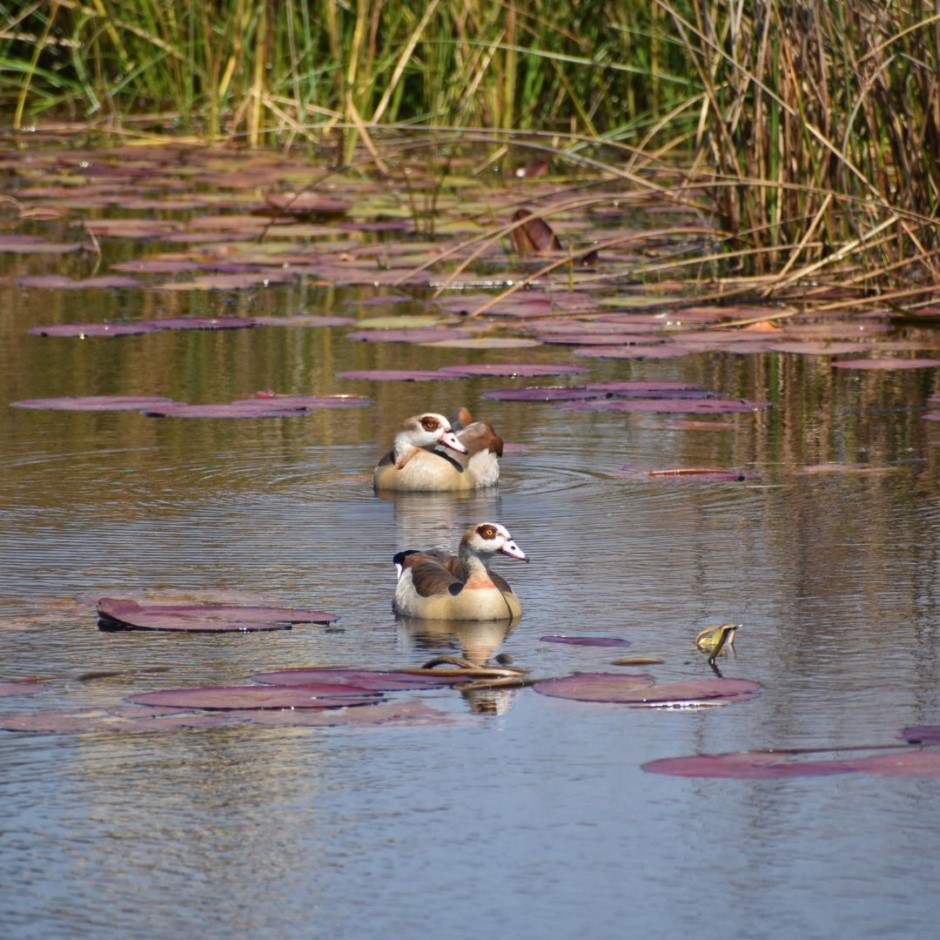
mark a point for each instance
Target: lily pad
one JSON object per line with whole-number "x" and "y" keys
{"x": 115, "y": 719}
{"x": 584, "y": 640}
{"x": 541, "y": 393}
{"x": 639, "y": 690}
{"x": 660, "y": 405}
{"x": 227, "y": 697}
{"x": 94, "y": 403}
{"x": 483, "y": 342}
{"x": 745, "y": 765}
{"x": 470, "y": 370}
{"x": 250, "y": 408}
{"x": 83, "y": 330}
{"x": 117, "y": 613}
{"x": 302, "y": 321}
{"x": 886, "y": 364}
{"x": 372, "y": 679}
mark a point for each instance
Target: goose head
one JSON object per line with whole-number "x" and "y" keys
{"x": 491, "y": 538}
{"x": 426, "y": 430}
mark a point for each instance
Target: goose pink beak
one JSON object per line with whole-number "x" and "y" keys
{"x": 513, "y": 551}
{"x": 450, "y": 440}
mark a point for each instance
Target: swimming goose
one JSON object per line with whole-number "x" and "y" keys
{"x": 430, "y": 454}
{"x": 436, "y": 585}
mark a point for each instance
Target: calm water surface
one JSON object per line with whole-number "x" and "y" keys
{"x": 532, "y": 820}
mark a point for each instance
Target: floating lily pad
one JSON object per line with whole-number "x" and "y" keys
{"x": 374, "y": 680}
{"x": 691, "y": 474}
{"x": 416, "y": 335}
{"x": 584, "y": 640}
{"x": 250, "y": 408}
{"x": 302, "y": 321}
{"x": 921, "y": 734}
{"x": 886, "y": 364}
{"x": 226, "y": 697}
{"x": 541, "y": 393}
{"x": 307, "y": 204}
{"x": 63, "y": 282}
{"x": 82, "y": 330}
{"x": 34, "y": 244}
{"x": 483, "y": 342}
{"x": 470, "y": 370}
{"x": 94, "y": 403}
{"x": 639, "y": 690}
{"x": 395, "y": 375}
{"x": 117, "y": 613}
{"x": 120, "y": 719}
{"x": 640, "y": 388}
{"x": 659, "y": 405}
{"x": 745, "y": 765}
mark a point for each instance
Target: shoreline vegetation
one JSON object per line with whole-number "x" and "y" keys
{"x": 805, "y": 134}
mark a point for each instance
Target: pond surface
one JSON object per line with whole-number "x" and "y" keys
{"x": 514, "y": 812}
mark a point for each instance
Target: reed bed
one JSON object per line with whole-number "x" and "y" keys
{"x": 808, "y": 130}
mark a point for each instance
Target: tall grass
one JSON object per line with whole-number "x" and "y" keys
{"x": 813, "y": 126}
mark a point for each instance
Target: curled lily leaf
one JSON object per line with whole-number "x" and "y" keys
{"x": 712, "y": 640}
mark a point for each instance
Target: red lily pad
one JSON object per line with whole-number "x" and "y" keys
{"x": 527, "y": 369}
{"x": 94, "y": 403}
{"x": 659, "y": 405}
{"x": 639, "y": 690}
{"x": 584, "y": 640}
{"x": 601, "y": 339}
{"x": 228, "y": 697}
{"x": 373, "y": 679}
{"x": 395, "y": 375}
{"x": 34, "y": 244}
{"x": 886, "y": 364}
{"x": 630, "y": 388}
{"x": 921, "y": 734}
{"x": 541, "y": 393}
{"x": 533, "y": 235}
{"x": 118, "y": 613}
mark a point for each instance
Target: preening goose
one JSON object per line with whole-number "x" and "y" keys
{"x": 430, "y": 454}
{"x": 436, "y": 585}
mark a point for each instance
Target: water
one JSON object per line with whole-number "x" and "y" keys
{"x": 531, "y": 819}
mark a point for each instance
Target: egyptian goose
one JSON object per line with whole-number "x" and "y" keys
{"x": 431, "y": 454}
{"x": 436, "y": 585}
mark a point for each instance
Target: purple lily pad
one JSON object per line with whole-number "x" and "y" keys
{"x": 661, "y": 405}
{"x": 116, "y": 613}
{"x": 528, "y": 369}
{"x": 382, "y": 713}
{"x": 630, "y": 388}
{"x": 250, "y": 408}
{"x": 34, "y": 244}
{"x": 228, "y": 697}
{"x": 745, "y": 765}
{"x": 115, "y": 719}
{"x": 407, "y": 335}
{"x": 373, "y": 679}
{"x": 921, "y": 734}
{"x": 62, "y": 282}
{"x": 20, "y": 688}
{"x": 541, "y": 393}
{"x": 639, "y": 690}
{"x": 601, "y": 339}
{"x": 886, "y": 364}
{"x": 200, "y": 323}
{"x": 94, "y": 403}
{"x": 395, "y": 375}
{"x": 584, "y": 640}
{"x": 920, "y": 763}
{"x": 302, "y": 321}
{"x": 82, "y": 330}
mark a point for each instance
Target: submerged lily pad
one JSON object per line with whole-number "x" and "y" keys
{"x": 94, "y": 403}
{"x": 118, "y": 613}
{"x": 226, "y": 697}
{"x": 639, "y": 690}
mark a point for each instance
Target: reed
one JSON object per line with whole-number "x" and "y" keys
{"x": 813, "y": 127}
